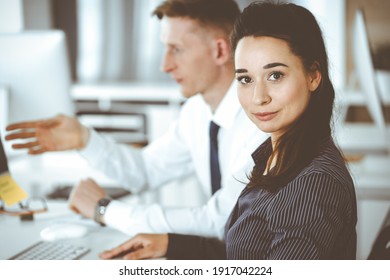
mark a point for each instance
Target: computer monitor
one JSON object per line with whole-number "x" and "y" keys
{"x": 34, "y": 76}
{"x": 3, "y": 160}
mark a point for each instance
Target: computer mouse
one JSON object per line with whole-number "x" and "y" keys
{"x": 63, "y": 231}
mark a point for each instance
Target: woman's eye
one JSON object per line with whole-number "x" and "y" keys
{"x": 275, "y": 76}
{"x": 244, "y": 80}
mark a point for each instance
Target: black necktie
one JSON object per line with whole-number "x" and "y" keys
{"x": 214, "y": 163}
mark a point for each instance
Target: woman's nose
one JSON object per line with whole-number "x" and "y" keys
{"x": 260, "y": 95}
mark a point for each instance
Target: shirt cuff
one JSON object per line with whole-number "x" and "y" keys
{"x": 117, "y": 214}
{"x": 94, "y": 145}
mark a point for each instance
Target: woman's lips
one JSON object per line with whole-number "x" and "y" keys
{"x": 266, "y": 116}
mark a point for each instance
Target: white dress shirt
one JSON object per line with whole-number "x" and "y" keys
{"x": 184, "y": 149}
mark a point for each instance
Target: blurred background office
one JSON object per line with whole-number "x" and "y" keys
{"x": 117, "y": 87}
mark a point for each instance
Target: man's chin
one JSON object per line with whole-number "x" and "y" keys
{"x": 187, "y": 94}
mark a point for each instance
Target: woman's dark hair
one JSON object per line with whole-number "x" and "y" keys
{"x": 303, "y": 139}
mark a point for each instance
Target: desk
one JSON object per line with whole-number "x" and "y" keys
{"x": 17, "y": 235}
{"x": 38, "y": 175}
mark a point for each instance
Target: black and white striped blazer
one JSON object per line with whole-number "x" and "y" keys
{"x": 313, "y": 217}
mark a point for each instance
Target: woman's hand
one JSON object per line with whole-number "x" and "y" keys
{"x": 142, "y": 246}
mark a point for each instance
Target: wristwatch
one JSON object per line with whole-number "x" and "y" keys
{"x": 100, "y": 209}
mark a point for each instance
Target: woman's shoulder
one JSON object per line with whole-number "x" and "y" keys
{"x": 330, "y": 164}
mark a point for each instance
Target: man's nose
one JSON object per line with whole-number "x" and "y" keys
{"x": 167, "y": 63}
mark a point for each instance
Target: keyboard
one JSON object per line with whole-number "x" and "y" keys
{"x": 45, "y": 250}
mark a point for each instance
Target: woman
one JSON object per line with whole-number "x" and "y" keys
{"x": 300, "y": 201}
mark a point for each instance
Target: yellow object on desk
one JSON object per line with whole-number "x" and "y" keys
{"x": 10, "y": 192}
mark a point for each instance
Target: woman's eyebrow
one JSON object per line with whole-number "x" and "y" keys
{"x": 241, "y": 71}
{"x": 267, "y": 66}
{"x": 275, "y": 64}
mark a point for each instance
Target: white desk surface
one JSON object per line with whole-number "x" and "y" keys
{"x": 17, "y": 235}
{"x": 37, "y": 176}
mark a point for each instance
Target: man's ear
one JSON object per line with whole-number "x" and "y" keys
{"x": 315, "y": 77}
{"x": 221, "y": 51}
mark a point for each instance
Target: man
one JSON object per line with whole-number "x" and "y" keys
{"x": 196, "y": 37}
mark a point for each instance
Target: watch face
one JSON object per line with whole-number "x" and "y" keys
{"x": 101, "y": 209}
{"x": 103, "y": 204}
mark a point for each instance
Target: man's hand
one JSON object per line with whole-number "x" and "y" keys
{"x": 84, "y": 197}
{"x": 56, "y": 134}
{"x": 142, "y": 246}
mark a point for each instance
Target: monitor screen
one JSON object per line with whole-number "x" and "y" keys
{"x": 3, "y": 159}
{"x": 34, "y": 70}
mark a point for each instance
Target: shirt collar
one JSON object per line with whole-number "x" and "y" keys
{"x": 262, "y": 153}
{"x": 229, "y": 107}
